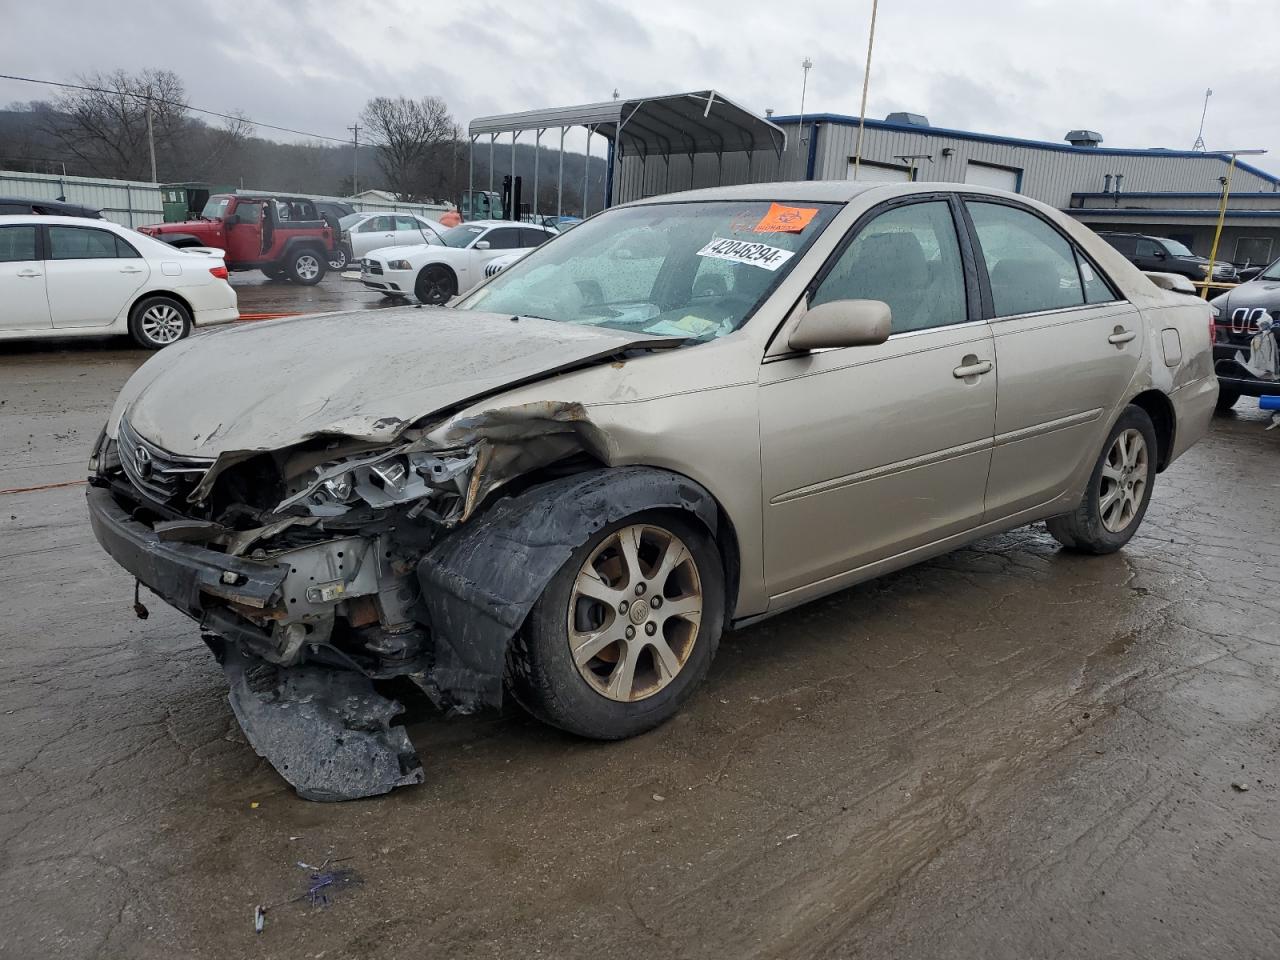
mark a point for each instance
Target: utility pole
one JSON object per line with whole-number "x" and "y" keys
{"x": 866, "y": 82}
{"x": 807, "y": 65}
{"x": 355, "y": 158}
{"x": 151, "y": 143}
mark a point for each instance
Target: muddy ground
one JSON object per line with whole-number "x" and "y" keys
{"x": 1009, "y": 752}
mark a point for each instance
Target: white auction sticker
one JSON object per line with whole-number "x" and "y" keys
{"x": 746, "y": 251}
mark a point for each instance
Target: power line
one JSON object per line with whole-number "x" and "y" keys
{"x": 173, "y": 103}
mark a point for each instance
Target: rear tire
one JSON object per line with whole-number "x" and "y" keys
{"x": 338, "y": 259}
{"x": 156, "y": 322}
{"x": 1119, "y": 489}
{"x": 307, "y": 267}
{"x": 621, "y": 688}
{"x": 1226, "y": 399}
{"x": 436, "y": 285}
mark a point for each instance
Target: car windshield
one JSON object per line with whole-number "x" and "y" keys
{"x": 462, "y": 234}
{"x": 1176, "y": 249}
{"x": 350, "y": 220}
{"x": 1272, "y": 272}
{"x": 215, "y": 208}
{"x": 695, "y": 270}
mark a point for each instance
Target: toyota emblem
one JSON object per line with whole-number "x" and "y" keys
{"x": 142, "y": 461}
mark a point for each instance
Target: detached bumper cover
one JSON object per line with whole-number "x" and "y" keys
{"x": 180, "y": 573}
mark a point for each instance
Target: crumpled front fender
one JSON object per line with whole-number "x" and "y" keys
{"x": 480, "y": 583}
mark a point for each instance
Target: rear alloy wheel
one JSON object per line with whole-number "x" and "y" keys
{"x": 159, "y": 321}
{"x": 307, "y": 268}
{"x": 436, "y": 285}
{"x": 338, "y": 259}
{"x": 1119, "y": 489}
{"x": 625, "y": 631}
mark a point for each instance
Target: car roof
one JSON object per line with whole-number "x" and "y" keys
{"x": 55, "y": 219}
{"x": 813, "y": 191}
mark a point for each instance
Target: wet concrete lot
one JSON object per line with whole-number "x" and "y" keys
{"x": 1008, "y": 752}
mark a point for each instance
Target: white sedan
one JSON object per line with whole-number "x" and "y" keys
{"x": 436, "y": 274}
{"x": 363, "y": 232}
{"x": 69, "y": 276}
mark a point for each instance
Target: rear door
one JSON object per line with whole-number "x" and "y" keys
{"x": 22, "y": 279}
{"x": 408, "y": 231}
{"x": 1067, "y": 347}
{"x": 379, "y": 231}
{"x": 92, "y": 275}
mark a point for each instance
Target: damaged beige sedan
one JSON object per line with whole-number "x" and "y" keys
{"x": 685, "y": 414}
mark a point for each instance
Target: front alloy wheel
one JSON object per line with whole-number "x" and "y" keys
{"x": 625, "y": 630}
{"x": 634, "y": 613}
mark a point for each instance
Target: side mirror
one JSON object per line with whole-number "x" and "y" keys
{"x": 1160, "y": 254}
{"x": 842, "y": 323}
{"x": 482, "y": 244}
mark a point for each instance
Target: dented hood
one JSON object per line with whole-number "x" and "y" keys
{"x": 364, "y": 374}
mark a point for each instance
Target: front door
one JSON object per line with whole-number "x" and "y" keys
{"x": 243, "y": 230}
{"x": 869, "y": 452}
{"x": 22, "y": 280}
{"x": 92, "y": 276}
{"x": 374, "y": 234}
{"x": 1067, "y": 347}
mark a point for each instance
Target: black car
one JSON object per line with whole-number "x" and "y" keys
{"x": 1162, "y": 255}
{"x": 46, "y": 208}
{"x": 1237, "y": 315}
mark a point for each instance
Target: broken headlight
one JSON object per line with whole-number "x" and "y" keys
{"x": 399, "y": 265}
{"x": 436, "y": 482}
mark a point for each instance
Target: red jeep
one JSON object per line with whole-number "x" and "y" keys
{"x": 281, "y": 236}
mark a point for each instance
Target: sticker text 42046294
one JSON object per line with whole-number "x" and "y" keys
{"x": 744, "y": 251}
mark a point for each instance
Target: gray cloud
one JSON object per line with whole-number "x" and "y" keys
{"x": 1031, "y": 68}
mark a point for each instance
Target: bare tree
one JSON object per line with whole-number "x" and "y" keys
{"x": 407, "y": 133}
{"x": 105, "y": 126}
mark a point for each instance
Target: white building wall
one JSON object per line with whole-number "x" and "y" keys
{"x": 129, "y": 203}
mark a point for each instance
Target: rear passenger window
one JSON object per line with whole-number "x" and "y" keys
{"x": 79, "y": 243}
{"x": 909, "y": 258}
{"x": 533, "y": 238}
{"x": 17, "y": 244}
{"x": 1031, "y": 266}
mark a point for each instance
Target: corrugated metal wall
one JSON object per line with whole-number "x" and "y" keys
{"x": 1047, "y": 175}
{"x": 130, "y": 203}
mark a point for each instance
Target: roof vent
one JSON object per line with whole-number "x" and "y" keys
{"x": 909, "y": 119}
{"x": 1083, "y": 138}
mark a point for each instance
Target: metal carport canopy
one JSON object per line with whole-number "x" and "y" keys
{"x": 701, "y": 121}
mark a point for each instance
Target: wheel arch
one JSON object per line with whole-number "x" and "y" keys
{"x": 1160, "y": 409}
{"x": 479, "y": 583}
{"x": 437, "y": 263}
{"x": 147, "y": 295}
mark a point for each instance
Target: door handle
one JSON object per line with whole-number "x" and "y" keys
{"x": 973, "y": 368}
{"x": 130, "y": 269}
{"x": 29, "y": 273}
{"x": 1121, "y": 336}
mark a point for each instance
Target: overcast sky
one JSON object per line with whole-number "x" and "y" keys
{"x": 1135, "y": 70}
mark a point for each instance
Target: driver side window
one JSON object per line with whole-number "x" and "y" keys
{"x": 909, "y": 258}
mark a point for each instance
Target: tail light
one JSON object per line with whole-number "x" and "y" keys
{"x": 219, "y": 272}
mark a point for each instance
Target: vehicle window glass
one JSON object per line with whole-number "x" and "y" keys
{"x": 407, "y": 223}
{"x": 1126, "y": 245}
{"x": 1096, "y": 289}
{"x": 248, "y": 213}
{"x": 462, "y": 235}
{"x": 304, "y": 210}
{"x": 350, "y": 220}
{"x": 1175, "y": 248}
{"x": 646, "y": 268}
{"x": 908, "y": 257}
{"x": 1032, "y": 267}
{"x": 79, "y": 243}
{"x": 15, "y": 208}
{"x": 215, "y": 209}
{"x": 124, "y": 250}
{"x": 504, "y": 238}
{"x": 1149, "y": 248}
{"x": 532, "y": 238}
{"x": 379, "y": 225}
{"x": 17, "y": 244}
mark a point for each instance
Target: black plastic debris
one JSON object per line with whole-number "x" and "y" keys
{"x": 327, "y": 732}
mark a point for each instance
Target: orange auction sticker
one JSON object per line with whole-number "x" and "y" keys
{"x": 784, "y": 219}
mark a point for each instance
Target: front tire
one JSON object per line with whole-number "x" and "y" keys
{"x": 156, "y": 322}
{"x": 274, "y": 273}
{"x": 625, "y": 631}
{"x": 307, "y": 267}
{"x": 1119, "y": 489}
{"x": 436, "y": 285}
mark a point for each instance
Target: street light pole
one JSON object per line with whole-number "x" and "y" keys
{"x": 151, "y": 143}
{"x": 806, "y": 65}
{"x": 1222, "y": 214}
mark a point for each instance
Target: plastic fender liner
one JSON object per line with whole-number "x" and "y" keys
{"x": 480, "y": 583}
